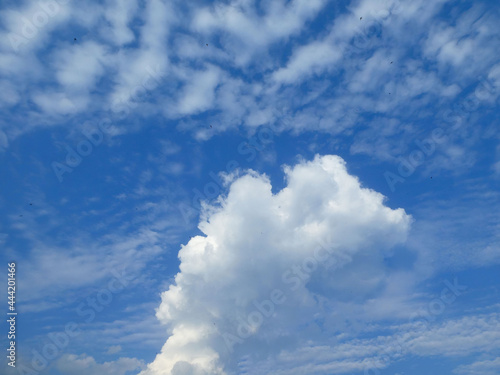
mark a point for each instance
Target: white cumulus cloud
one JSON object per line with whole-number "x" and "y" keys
{"x": 252, "y": 278}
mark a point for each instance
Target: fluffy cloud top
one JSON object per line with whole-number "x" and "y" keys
{"x": 254, "y": 274}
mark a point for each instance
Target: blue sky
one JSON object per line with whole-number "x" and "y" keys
{"x": 250, "y": 187}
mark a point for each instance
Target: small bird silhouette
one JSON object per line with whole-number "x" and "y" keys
{"x": 207, "y": 44}
{"x": 31, "y": 204}
{"x": 360, "y": 18}
{"x": 210, "y": 126}
{"x": 391, "y": 62}
{"x": 74, "y": 39}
